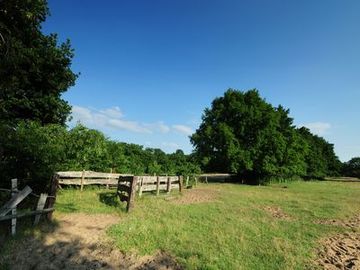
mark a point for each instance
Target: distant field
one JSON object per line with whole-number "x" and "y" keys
{"x": 227, "y": 226}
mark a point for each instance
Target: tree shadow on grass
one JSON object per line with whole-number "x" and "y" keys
{"x": 109, "y": 198}
{"x": 70, "y": 245}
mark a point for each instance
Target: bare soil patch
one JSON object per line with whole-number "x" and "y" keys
{"x": 340, "y": 252}
{"x": 277, "y": 212}
{"x": 196, "y": 195}
{"x": 79, "y": 242}
{"x": 352, "y": 223}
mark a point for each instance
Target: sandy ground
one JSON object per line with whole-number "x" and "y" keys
{"x": 79, "y": 242}
{"x": 341, "y": 251}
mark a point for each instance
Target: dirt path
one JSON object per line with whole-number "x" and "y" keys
{"x": 341, "y": 251}
{"x": 79, "y": 242}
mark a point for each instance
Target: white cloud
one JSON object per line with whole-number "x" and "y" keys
{"x": 319, "y": 128}
{"x": 158, "y": 126}
{"x": 114, "y": 118}
{"x": 127, "y": 125}
{"x": 80, "y": 113}
{"x": 113, "y": 112}
{"x": 186, "y": 130}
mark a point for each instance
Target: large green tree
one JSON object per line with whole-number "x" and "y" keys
{"x": 243, "y": 134}
{"x": 34, "y": 68}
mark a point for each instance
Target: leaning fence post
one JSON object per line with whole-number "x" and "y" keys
{"x": 14, "y": 190}
{"x": 40, "y": 206}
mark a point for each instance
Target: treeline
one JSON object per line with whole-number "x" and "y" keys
{"x": 32, "y": 153}
{"x": 243, "y": 134}
{"x": 352, "y": 168}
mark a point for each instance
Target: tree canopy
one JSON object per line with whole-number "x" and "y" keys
{"x": 243, "y": 134}
{"x": 352, "y": 167}
{"x": 34, "y": 69}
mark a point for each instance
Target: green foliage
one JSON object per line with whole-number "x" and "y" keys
{"x": 31, "y": 153}
{"x": 34, "y": 69}
{"x": 352, "y": 167}
{"x": 86, "y": 149}
{"x": 243, "y": 134}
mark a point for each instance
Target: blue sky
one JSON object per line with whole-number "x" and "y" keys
{"x": 149, "y": 68}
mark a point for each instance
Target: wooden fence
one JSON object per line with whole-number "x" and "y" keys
{"x": 128, "y": 185}
{"x": 45, "y": 204}
{"x": 84, "y": 178}
{"x": 159, "y": 183}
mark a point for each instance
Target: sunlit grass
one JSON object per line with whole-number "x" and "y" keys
{"x": 232, "y": 232}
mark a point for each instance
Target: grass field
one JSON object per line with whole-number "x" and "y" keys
{"x": 232, "y": 229}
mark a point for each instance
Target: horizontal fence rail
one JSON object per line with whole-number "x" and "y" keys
{"x": 84, "y": 178}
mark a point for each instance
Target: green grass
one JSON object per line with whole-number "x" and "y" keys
{"x": 233, "y": 232}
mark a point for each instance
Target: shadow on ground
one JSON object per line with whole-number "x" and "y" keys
{"x": 76, "y": 241}
{"x": 109, "y": 198}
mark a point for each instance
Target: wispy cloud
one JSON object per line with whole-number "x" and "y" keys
{"x": 158, "y": 126}
{"x": 113, "y": 118}
{"x": 186, "y": 130}
{"x": 319, "y": 128}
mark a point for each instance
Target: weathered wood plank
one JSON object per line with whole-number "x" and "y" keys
{"x": 90, "y": 174}
{"x": 40, "y": 206}
{"x": 82, "y": 181}
{"x": 77, "y": 182}
{"x": 181, "y": 180}
{"x": 168, "y": 189}
{"x": 52, "y": 195}
{"x": 157, "y": 185}
{"x": 14, "y": 190}
{"x": 149, "y": 179}
{"x": 131, "y": 201}
{"x": 14, "y": 201}
{"x": 27, "y": 214}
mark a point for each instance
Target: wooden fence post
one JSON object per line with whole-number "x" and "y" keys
{"x": 131, "y": 200}
{"x": 82, "y": 180}
{"x": 14, "y": 190}
{"x": 157, "y": 186}
{"x": 168, "y": 187}
{"x": 51, "y": 200}
{"x": 140, "y": 186}
{"x": 180, "y": 183}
